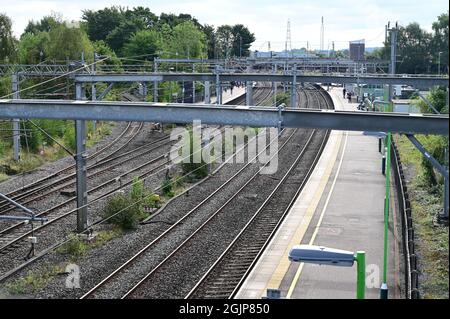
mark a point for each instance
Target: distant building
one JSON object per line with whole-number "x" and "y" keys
{"x": 357, "y": 49}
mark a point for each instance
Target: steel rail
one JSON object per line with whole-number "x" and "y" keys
{"x": 172, "y": 227}
{"x": 258, "y": 247}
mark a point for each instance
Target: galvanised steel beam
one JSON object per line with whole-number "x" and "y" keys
{"x": 34, "y": 69}
{"x": 81, "y": 169}
{"x": 417, "y": 82}
{"x": 187, "y": 60}
{"x": 222, "y": 114}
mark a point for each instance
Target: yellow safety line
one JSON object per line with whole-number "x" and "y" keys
{"x": 284, "y": 263}
{"x": 319, "y": 222}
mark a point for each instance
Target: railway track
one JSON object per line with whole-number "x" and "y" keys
{"x": 19, "y": 193}
{"x": 190, "y": 217}
{"x": 225, "y": 276}
{"x": 129, "y": 133}
{"x": 95, "y": 169}
{"x": 12, "y": 237}
{"x": 124, "y": 274}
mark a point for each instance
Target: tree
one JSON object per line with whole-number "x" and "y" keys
{"x": 440, "y": 41}
{"x": 44, "y": 25}
{"x": 376, "y": 54}
{"x": 103, "y": 50}
{"x": 143, "y": 43}
{"x": 418, "y": 50}
{"x": 413, "y": 49}
{"x": 210, "y": 35}
{"x": 437, "y": 97}
{"x": 224, "y": 41}
{"x": 116, "y": 25}
{"x": 173, "y": 20}
{"x": 67, "y": 42}
{"x": 7, "y": 40}
{"x": 31, "y": 46}
{"x": 342, "y": 54}
{"x": 188, "y": 41}
{"x": 435, "y": 144}
{"x": 183, "y": 41}
{"x": 123, "y": 32}
{"x": 99, "y": 24}
{"x": 242, "y": 40}
{"x": 148, "y": 18}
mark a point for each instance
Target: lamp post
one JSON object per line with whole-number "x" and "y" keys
{"x": 333, "y": 257}
{"x": 439, "y": 63}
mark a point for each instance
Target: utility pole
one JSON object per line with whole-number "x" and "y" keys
{"x": 193, "y": 85}
{"x": 207, "y": 93}
{"x": 274, "y": 87}
{"x": 240, "y": 46}
{"x": 322, "y": 34}
{"x": 393, "y": 37}
{"x": 294, "y": 87}
{"x": 94, "y": 90}
{"x": 288, "y": 43}
{"x": 80, "y": 159}
{"x": 218, "y": 87}
{"x": 249, "y": 95}
{"x": 16, "y": 122}
{"x": 155, "y": 83}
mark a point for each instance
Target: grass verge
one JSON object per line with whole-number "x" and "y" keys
{"x": 431, "y": 240}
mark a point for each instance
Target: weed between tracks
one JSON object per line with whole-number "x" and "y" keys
{"x": 431, "y": 240}
{"x": 127, "y": 210}
{"x": 76, "y": 247}
{"x": 34, "y": 281}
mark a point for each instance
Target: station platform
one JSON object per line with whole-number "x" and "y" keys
{"x": 341, "y": 206}
{"x": 229, "y": 95}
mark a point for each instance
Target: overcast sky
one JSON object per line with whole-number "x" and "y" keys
{"x": 345, "y": 20}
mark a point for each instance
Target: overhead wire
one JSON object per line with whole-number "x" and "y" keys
{"x": 55, "y": 78}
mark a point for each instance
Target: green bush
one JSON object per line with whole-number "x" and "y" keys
{"x": 75, "y": 247}
{"x": 143, "y": 197}
{"x": 69, "y": 138}
{"x": 167, "y": 187}
{"x": 55, "y": 128}
{"x": 127, "y": 210}
{"x": 5, "y": 85}
{"x": 126, "y": 214}
{"x": 32, "y": 139}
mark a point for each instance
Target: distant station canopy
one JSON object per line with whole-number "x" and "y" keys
{"x": 357, "y": 49}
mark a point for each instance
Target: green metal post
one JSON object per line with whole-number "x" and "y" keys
{"x": 384, "y": 288}
{"x": 361, "y": 275}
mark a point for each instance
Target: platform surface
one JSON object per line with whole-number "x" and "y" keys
{"x": 340, "y": 207}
